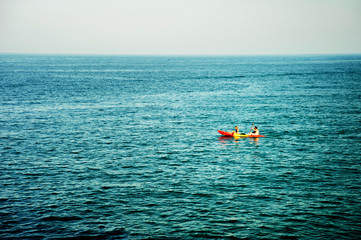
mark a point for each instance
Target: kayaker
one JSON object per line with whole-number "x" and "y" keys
{"x": 237, "y": 130}
{"x": 254, "y": 132}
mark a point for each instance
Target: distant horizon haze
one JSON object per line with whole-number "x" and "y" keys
{"x": 200, "y": 27}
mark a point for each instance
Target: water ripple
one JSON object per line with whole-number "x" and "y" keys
{"x": 127, "y": 148}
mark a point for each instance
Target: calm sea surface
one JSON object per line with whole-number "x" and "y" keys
{"x": 126, "y": 147}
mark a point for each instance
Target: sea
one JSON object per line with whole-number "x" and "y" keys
{"x": 127, "y": 147}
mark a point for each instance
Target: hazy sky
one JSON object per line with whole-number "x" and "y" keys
{"x": 180, "y": 26}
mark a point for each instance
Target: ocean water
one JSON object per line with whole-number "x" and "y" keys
{"x": 126, "y": 147}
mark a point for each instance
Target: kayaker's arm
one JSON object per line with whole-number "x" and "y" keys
{"x": 250, "y": 131}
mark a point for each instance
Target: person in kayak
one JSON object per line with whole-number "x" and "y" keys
{"x": 254, "y": 132}
{"x": 237, "y": 130}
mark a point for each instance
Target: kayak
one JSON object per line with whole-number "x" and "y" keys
{"x": 233, "y": 134}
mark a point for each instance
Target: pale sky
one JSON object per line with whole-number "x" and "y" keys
{"x": 180, "y": 26}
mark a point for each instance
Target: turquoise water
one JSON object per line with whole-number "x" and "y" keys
{"x": 126, "y": 147}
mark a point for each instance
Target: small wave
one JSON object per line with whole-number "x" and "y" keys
{"x": 207, "y": 235}
{"x": 225, "y": 221}
{"x": 294, "y": 74}
{"x": 238, "y": 76}
{"x": 63, "y": 219}
{"x": 218, "y": 77}
{"x": 296, "y": 220}
{"x": 118, "y": 233}
{"x": 207, "y": 195}
{"x": 32, "y": 174}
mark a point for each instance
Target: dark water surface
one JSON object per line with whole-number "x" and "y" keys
{"x": 109, "y": 147}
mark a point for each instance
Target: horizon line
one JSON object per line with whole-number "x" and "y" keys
{"x": 180, "y": 54}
